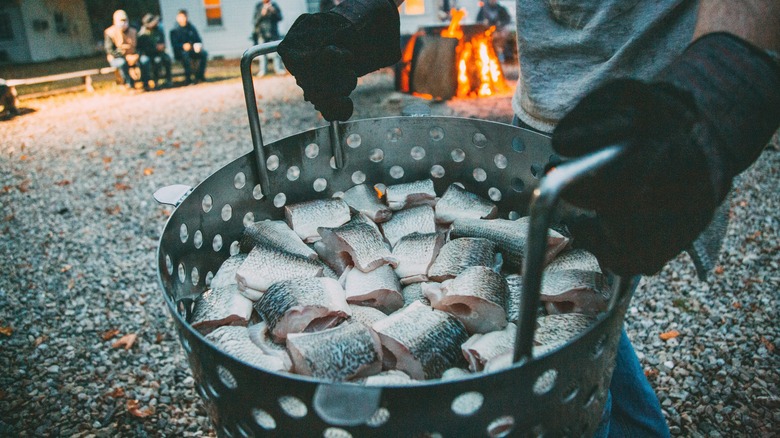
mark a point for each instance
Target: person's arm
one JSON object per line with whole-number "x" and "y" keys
{"x": 687, "y": 133}
{"x": 195, "y": 35}
{"x": 111, "y": 49}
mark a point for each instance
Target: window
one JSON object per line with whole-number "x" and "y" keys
{"x": 414, "y": 7}
{"x": 213, "y": 12}
{"x": 6, "y": 29}
{"x": 59, "y": 23}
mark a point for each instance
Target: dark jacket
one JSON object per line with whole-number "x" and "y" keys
{"x": 148, "y": 40}
{"x": 496, "y": 15}
{"x": 181, "y": 35}
{"x": 267, "y": 26}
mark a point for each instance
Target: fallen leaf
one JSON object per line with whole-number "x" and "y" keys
{"x": 651, "y": 373}
{"x": 198, "y": 144}
{"x": 134, "y": 410}
{"x": 113, "y": 210}
{"x": 177, "y": 144}
{"x": 160, "y": 338}
{"x": 107, "y": 159}
{"x": 158, "y": 139}
{"x": 23, "y": 157}
{"x": 6, "y": 331}
{"x": 125, "y": 341}
{"x": 121, "y": 186}
{"x": 66, "y": 268}
{"x": 108, "y": 334}
{"x": 719, "y": 270}
{"x": 71, "y": 284}
{"x": 160, "y": 152}
{"x": 117, "y": 392}
{"x": 24, "y": 186}
{"x": 61, "y": 183}
{"x": 669, "y": 335}
{"x": 40, "y": 340}
{"x": 148, "y": 171}
{"x": 737, "y": 305}
{"x": 277, "y": 115}
{"x": 770, "y": 347}
{"x": 9, "y": 218}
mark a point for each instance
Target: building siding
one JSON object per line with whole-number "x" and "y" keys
{"x": 69, "y": 38}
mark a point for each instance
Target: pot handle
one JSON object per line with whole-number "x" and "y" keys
{"x": 247, "y": 58}
{"x": 172, "y": 195}
{"x": 543, "y": 202}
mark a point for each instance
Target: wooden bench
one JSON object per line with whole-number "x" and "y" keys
{"x": 85, "y": 75}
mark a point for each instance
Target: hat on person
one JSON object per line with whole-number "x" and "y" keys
{"x": 150, "y": 20}
{"x": 120, "y": 15}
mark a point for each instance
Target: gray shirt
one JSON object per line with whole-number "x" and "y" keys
{"x": 569, "y": 47}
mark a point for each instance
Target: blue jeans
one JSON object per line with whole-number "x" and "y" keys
{"x": 124, "y": 69}
{"x": 632, "y": 408}
{"x": 186, "y": 59}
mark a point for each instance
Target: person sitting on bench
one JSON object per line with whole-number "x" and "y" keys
{"x": 7, "y": 100}
{"x": 120, "y": 42}
{"x": 188, "y": 47}
{"x": 151, "y": 42}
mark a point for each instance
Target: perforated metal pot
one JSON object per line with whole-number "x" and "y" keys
{"x": 560, "y": 393}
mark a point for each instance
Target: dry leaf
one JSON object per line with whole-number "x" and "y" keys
{"x": 6, "y": 330}
{"x": 669, "y": 335}
{"x": 177, "y": 144}
{"x": 24, "y": 186}
{"x": 23, "y": 157}
{"x": 108, "y": 334}
{"x": 62, "y": 183}
{"x": 66, "y": 268}
{"x": 148, "y": 171}
{"x": 113, "y": 210}
{"x": 125, "y": 341}
{"x": 770, "y": 347}
{"x": 40, "y": 340}
{"x": 277, "y": 115}
{"x": 719, "y": 270}
{"x": 121, "y": 186}
{"x": 117, "y": 392}
{"x": 107, "y": 159}
{"x": 651, "y": 373}
{"x": 199, "y": 144}
{"x": 71, "y": 284}
{"x": 9, "y": 218}
{"x": 158, "y": 139}
{"x": 160, "y": 338}
{"x": 737, "y": 305}
{"x": 134, "y": 410}
{"x": 160, "y": 152}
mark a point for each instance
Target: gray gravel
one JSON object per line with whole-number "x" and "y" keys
{"x": 79, "y": 228}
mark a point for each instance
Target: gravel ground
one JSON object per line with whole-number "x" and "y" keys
{"x": 79, "y": 229}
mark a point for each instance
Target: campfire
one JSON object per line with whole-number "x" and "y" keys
{"x": 454, "y": 61}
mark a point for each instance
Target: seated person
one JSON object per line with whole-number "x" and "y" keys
{"x": 7, "y": 100}
{"x": 151, "y": 42}
{"x": 120, "y": 42}
{"x": 188, "y": 47}
{"x": 494, "y": 14}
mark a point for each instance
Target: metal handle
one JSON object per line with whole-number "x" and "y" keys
{"x": 543, "y": 202}
{"x": 247, "y": 82}
{"x": 172, "y": 195}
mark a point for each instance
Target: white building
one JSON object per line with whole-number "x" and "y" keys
{"x": 225, "y": 25}
{"x": 41, "y": 30}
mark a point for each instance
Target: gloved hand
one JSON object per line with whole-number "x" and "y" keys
{"x": 704, "y": 119}
{"x": 328, "y": 51}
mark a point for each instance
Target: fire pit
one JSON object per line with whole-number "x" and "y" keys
{"x": 442, "y": 62}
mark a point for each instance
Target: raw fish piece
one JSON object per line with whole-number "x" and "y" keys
{"x": 575, "y": 291}
{"x": 346, "y": 352}
{"x": 264, "y": 267}
{"x": 477, "y": 297}
{"x": 226, "y": 274}
{"x": 575, "y": 259}
{"x": 235, "y": 342}
{"x": 415, "y": 253}
{"x": 379, "y": 289}
{"x": 405, "y": 222}
{"x": 556, "y": 330}
{"x": 458, "y": 254}
{"x": 217, "y": 307}
{"x": 260, "y": 336}
{"x": 421, "y": 341}
{"x": 336, "y": 260}
{"x": 400, "y": 196}
{"x": 414, "y": 292}
{"x": 364, "y": 199}
{"x": 363, "y": 244}
{"x": 366, "y": 315}
{"x": 275, "y": 235}
{"x": 304, "y": 218}
{"x": 480, "y": 348}
{"x": 457, "y": 203}
{"x": 302, "y": 305}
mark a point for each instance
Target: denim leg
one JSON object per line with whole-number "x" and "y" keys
{"x": 203, "y": 56}
{"x": 144, "y": 63}
{"x": 278, "y": 68}
{"x": 124, "y": 70}
{"x": 186, "y": 62}
{"x": 166, "y": 63}
{"x": 263, "y": 67}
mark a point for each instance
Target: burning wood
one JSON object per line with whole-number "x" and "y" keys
{"x": 456, "y": 61}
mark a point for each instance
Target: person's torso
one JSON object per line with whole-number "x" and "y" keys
{"x": 124, "y": 41}
{"x": 185, "y": 34}
{"x": 569, "y": 47}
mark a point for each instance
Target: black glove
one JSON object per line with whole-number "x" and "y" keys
{"x": 328, "y": 51}
{"x": 704, "y": 119}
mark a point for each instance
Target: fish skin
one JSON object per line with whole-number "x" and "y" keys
{"x": 509, "y": 236}
{"x": 574, "y": 259}
{"x": 366, "y": 315}
{"x": 363, "y": 244}
{"x": 363, "y": 198}
{"x": 504, "y": 361}
{"x": 337, "y": 261}
{"x": 379, "y": 288}
{"x": 415, "y": 254}
{"x": 264, "y": 267}
{"x": 458, "y": 203}
{"x": 260, "y": 336}
{"x": 414, "y": 292}
{"x": 455, "y": 374}
{"x": 414, "y": 220}
{"x": 477, "y": 297}
{"x": 218, "y": 307}
{"x": 406, "y": 195}
{"x": 458, "y": 254}
{"x": 389, "y": 378}
{"x": 235, "y": 342}
{"x": 305, "y": 217}
{"x": 302, "y": 305}
{"x": 479, "y": 349}
{"x": 556, "y": 330}
{"x": 421, "y": 341}
{"x": 226, "y": 274}
{"x": 345, "y": 352}
{"x": 575, "y": 291}
{"x": 275, "y": 235}
{"x": 514, "y": 284}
